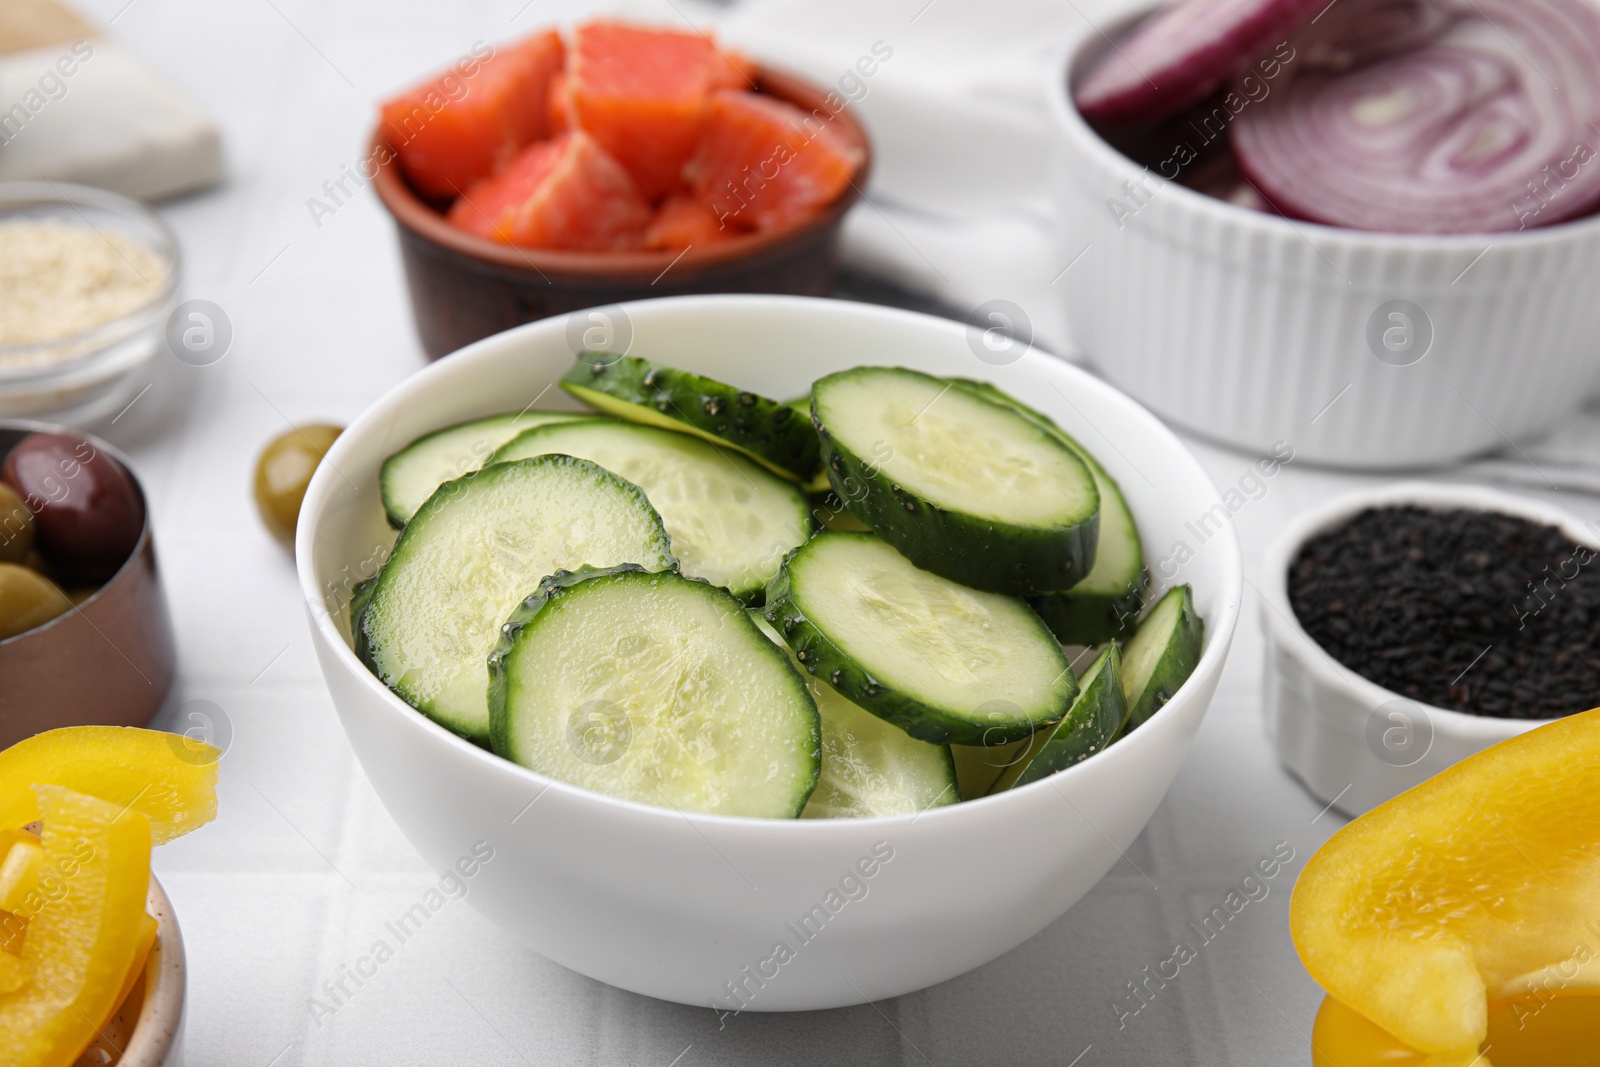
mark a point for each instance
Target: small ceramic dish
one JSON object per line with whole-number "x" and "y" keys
{"x": 464, "y": 287}
{"x": 1352, "y": 742}
{"x": 147, "y": 1031}
{"x": 1371, "y": 350}
{"x": 82, "y": 376}
{"x": 107, "y": 662}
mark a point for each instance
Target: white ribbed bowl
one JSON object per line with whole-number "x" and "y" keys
{"x": 1353, "y": 743}
{"x": 1252, "y": 329}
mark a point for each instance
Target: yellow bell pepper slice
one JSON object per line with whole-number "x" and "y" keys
{"x": 170, "y": 778}
{"x": 85, "y": 924}
{"x": 19, "y": 873}
{"x": 141, "y": 956}
{"x": 1479, "y": 885}
{"x": 14, "y": 974}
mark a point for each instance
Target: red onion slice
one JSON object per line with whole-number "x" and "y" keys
{"x": 1488, "y": 121}
{"x": 1183, "y": 53}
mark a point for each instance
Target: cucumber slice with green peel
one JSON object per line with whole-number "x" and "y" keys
{"x": 1160, "y": 656}
{"x": 469, "y": 557}
{"x": 979, "y": 767}
{"x": 1106, "y": 603}
{"x": 410, "y": 476}
{"x": 962, "y": 486}
{"x": 831, "y": 514}
{"x": 731, "y": 521}
{"x": 819, "y": 480}
{"x": 774, "y": 434}
{"x": 360, "y": 593}
{"x": 1090, "y": 725}
{"x": 943, "y": 662}
{"x": 655, "y": 688}
{"x": 870, "y": 768}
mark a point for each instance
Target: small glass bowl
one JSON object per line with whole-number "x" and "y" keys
{"x": 83, "y": 376}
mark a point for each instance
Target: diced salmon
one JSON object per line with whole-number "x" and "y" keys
{"x": 565, "y": 193}
{"x": 558, "y": 106}
{"x": 686, "y": 221}
{"x": 643, "y": 94}
{"x": 471, "y": 120}
{"x": 762, "y": 162}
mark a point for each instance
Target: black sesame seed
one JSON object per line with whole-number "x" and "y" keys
{"x": 1473, "y": 611}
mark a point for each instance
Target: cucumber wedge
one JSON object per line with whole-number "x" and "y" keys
{"x": 410, "y": 476}
{"x": 1107, "y": 602}
{"x": 472, "y": 553}
{"x": 943, "y": 662}
{"x": 979, "y": 767}
{"x": 774, "y": 434}
{"x": 731, "y": 521}
{"x": 1160, "y": 656}
{"x": 869, "y": 767}
{"x": 654, "y": 688}
{"x": 1088, "y": 727}
{"x": 962, "y": 486}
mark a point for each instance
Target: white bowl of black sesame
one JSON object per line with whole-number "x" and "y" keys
{"x": 1411, "y": 626}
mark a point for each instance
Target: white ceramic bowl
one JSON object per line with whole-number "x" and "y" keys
{"x": 1254, "y": 329}
{"x": 677, "y": 906}
{"x": 1352, "y": 742}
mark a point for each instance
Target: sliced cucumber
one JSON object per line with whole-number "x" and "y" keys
{"x": 1106, "y": 603}
{"x": 654, "y": 688}
{"x": 979, "y": 767}
{"x": 471, "y": 554}
{"x": 1161, "y": 655}
{"x": 869, "y": 767}
{"x": 819, "y": 480}
{"x": 961, "y": 485}
{"x": 731, "y": 522}
{"x": 360, "y": 593}
{"x": 410, "y": 476}
{"x": 829, "y": 510}
{"x": 1088, "y": 727}
{"x": 770, "y": 432}
{"x": 943, "y": 662}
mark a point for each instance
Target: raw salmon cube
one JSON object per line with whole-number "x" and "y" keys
{"x": 558, "y": 106}
{"x": 762, "y": 162}
{"x": 643, "y": 94}
{"x": 467, "y": 123}
{"x": 564, "y": 193}
{"x": 686, "y": 221}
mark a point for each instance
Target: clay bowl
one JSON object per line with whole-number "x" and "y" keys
{"x": 464, "y": 287}
{"x": 147, "y": 1030}
{"x": 107, "y": 662}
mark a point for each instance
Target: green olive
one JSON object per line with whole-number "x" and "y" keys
{"x": 27, "y": 599}
{"x": 16, "y": 526}
{"x": 284, "y": 470}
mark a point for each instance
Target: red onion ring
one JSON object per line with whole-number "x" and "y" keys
{"x": 1183, "y": 53}
{"x": 1489, "y": 121}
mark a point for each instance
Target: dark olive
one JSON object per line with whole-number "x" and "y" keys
{"x": 27, "y": 599}
{"x": 87, "y": 513}
{"x": 284, "y": 470}
{"x": 16, "y": 526}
